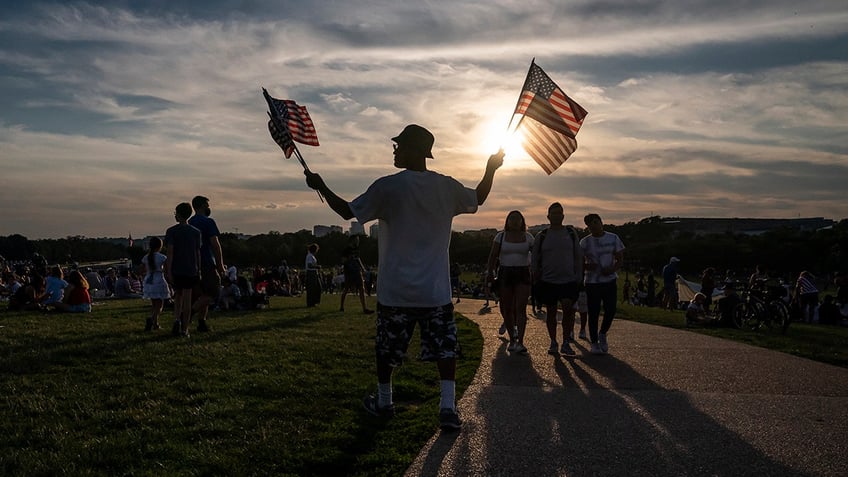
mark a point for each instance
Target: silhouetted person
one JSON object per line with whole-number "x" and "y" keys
{"x": 212, "y": 266}
{"x": 415, "y": 208}
{"x": 182, "y": 266}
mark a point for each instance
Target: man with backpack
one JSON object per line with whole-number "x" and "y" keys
{"x": 557, "y": 265}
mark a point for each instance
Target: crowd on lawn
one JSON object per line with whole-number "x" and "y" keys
{"x": 810, "y": 299}
{"x": 35, "y": 285}
{"x": 28, "y": 285}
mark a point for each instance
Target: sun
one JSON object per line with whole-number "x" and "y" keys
{"x": 496, "y": 137}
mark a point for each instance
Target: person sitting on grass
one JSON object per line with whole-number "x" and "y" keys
{"x": 829, "y": 312}
{"x": 29, "y": 296}
{"x": 55, "y": 287}
{"x": 135, "y": 282}
{"x": 77, "y": 298}
{"x": 727, "y": 304}
{"x": 11, "y": 284}
{"x": 123, "y": 287}
{"x": 229, "y": 295}
{"x": 696, "y": 313}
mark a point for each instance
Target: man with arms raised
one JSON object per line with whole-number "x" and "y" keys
{"x": 415, "y": 208}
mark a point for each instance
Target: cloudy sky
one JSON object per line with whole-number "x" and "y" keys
{"x": 112, "y": 113}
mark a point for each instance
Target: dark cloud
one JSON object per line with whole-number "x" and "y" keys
{"x": 718, "y": 56}
{"x": 144, "y": 104}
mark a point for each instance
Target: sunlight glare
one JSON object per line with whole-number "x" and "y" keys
{"x": 497, "y": 137}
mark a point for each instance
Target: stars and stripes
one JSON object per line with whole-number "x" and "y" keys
{"x": 549, "y": 148}
{"x": 282, "y": 138}
{"x": 550, "y": 120}
{"x": 289, "y": 123}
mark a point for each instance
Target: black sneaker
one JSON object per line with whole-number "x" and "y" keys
{"x": 176, "y": 330}
{"x": 202, "y": 327}
{"x": 370, "y": 405}
{"x": 148, "y": 325}
{"x": 449, "y": 420}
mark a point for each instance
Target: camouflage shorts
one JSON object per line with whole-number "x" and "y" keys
{"x": 395, "y": 326}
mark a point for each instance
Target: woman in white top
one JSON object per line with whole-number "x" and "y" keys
{"x": 511, "y": 255}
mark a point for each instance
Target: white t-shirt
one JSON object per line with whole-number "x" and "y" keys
{"x": 601, "y": 250}
{"x": 514, "y": 254}
{"x": 415, "y": 210}
{"x": 311, "y": 262}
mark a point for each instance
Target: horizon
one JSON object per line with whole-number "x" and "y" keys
{"x": 111, "y": 113}
{"x": 346, "y": 229}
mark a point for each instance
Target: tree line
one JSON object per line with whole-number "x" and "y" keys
{"x": 650, "y": 243}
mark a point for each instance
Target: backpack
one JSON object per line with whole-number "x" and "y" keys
{"x": 575, "y": 241}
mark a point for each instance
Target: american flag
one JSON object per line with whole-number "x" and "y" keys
{"x": 282, "y": 138}
{"x": 550, "y": 120}
{"x": 289, "y": 122}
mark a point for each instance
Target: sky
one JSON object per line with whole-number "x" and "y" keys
{"x": 111, "y": 113}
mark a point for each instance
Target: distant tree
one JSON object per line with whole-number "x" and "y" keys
{"x": 16, "y": 247}
{"x": 135, "y": 254}
{"x": 650, "y": 243}
{"x": 470, "y": 249}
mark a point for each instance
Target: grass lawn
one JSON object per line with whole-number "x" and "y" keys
{"x": 268, "y": 392}
{"x": 828, "y": 344}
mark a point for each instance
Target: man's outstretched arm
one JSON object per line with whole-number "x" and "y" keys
{"x": 485, "y": 185}
{"x": 339, "y": 205}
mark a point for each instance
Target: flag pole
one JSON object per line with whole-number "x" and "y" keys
{"x": 300, "y": 158}
{"x": 305, "y": 167}
{"x": 512, "y": 117}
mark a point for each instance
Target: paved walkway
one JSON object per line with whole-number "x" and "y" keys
{"x": 663, "y": 402}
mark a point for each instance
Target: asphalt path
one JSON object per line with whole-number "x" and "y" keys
{"x": 662, "y": 402}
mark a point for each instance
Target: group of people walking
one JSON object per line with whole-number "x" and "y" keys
{"x": 557, "y": 264}
{"x": 192, "y": 266}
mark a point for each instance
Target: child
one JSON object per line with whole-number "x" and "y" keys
{"x": 582, "y": 308}
{"x": 155, "y": 288}
{"x": 695, "y": 312}
{"x": 182, "y": 266}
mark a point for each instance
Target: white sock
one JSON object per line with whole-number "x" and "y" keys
{"x": 448, "y": 400}
{"x": 384, "y": 394}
